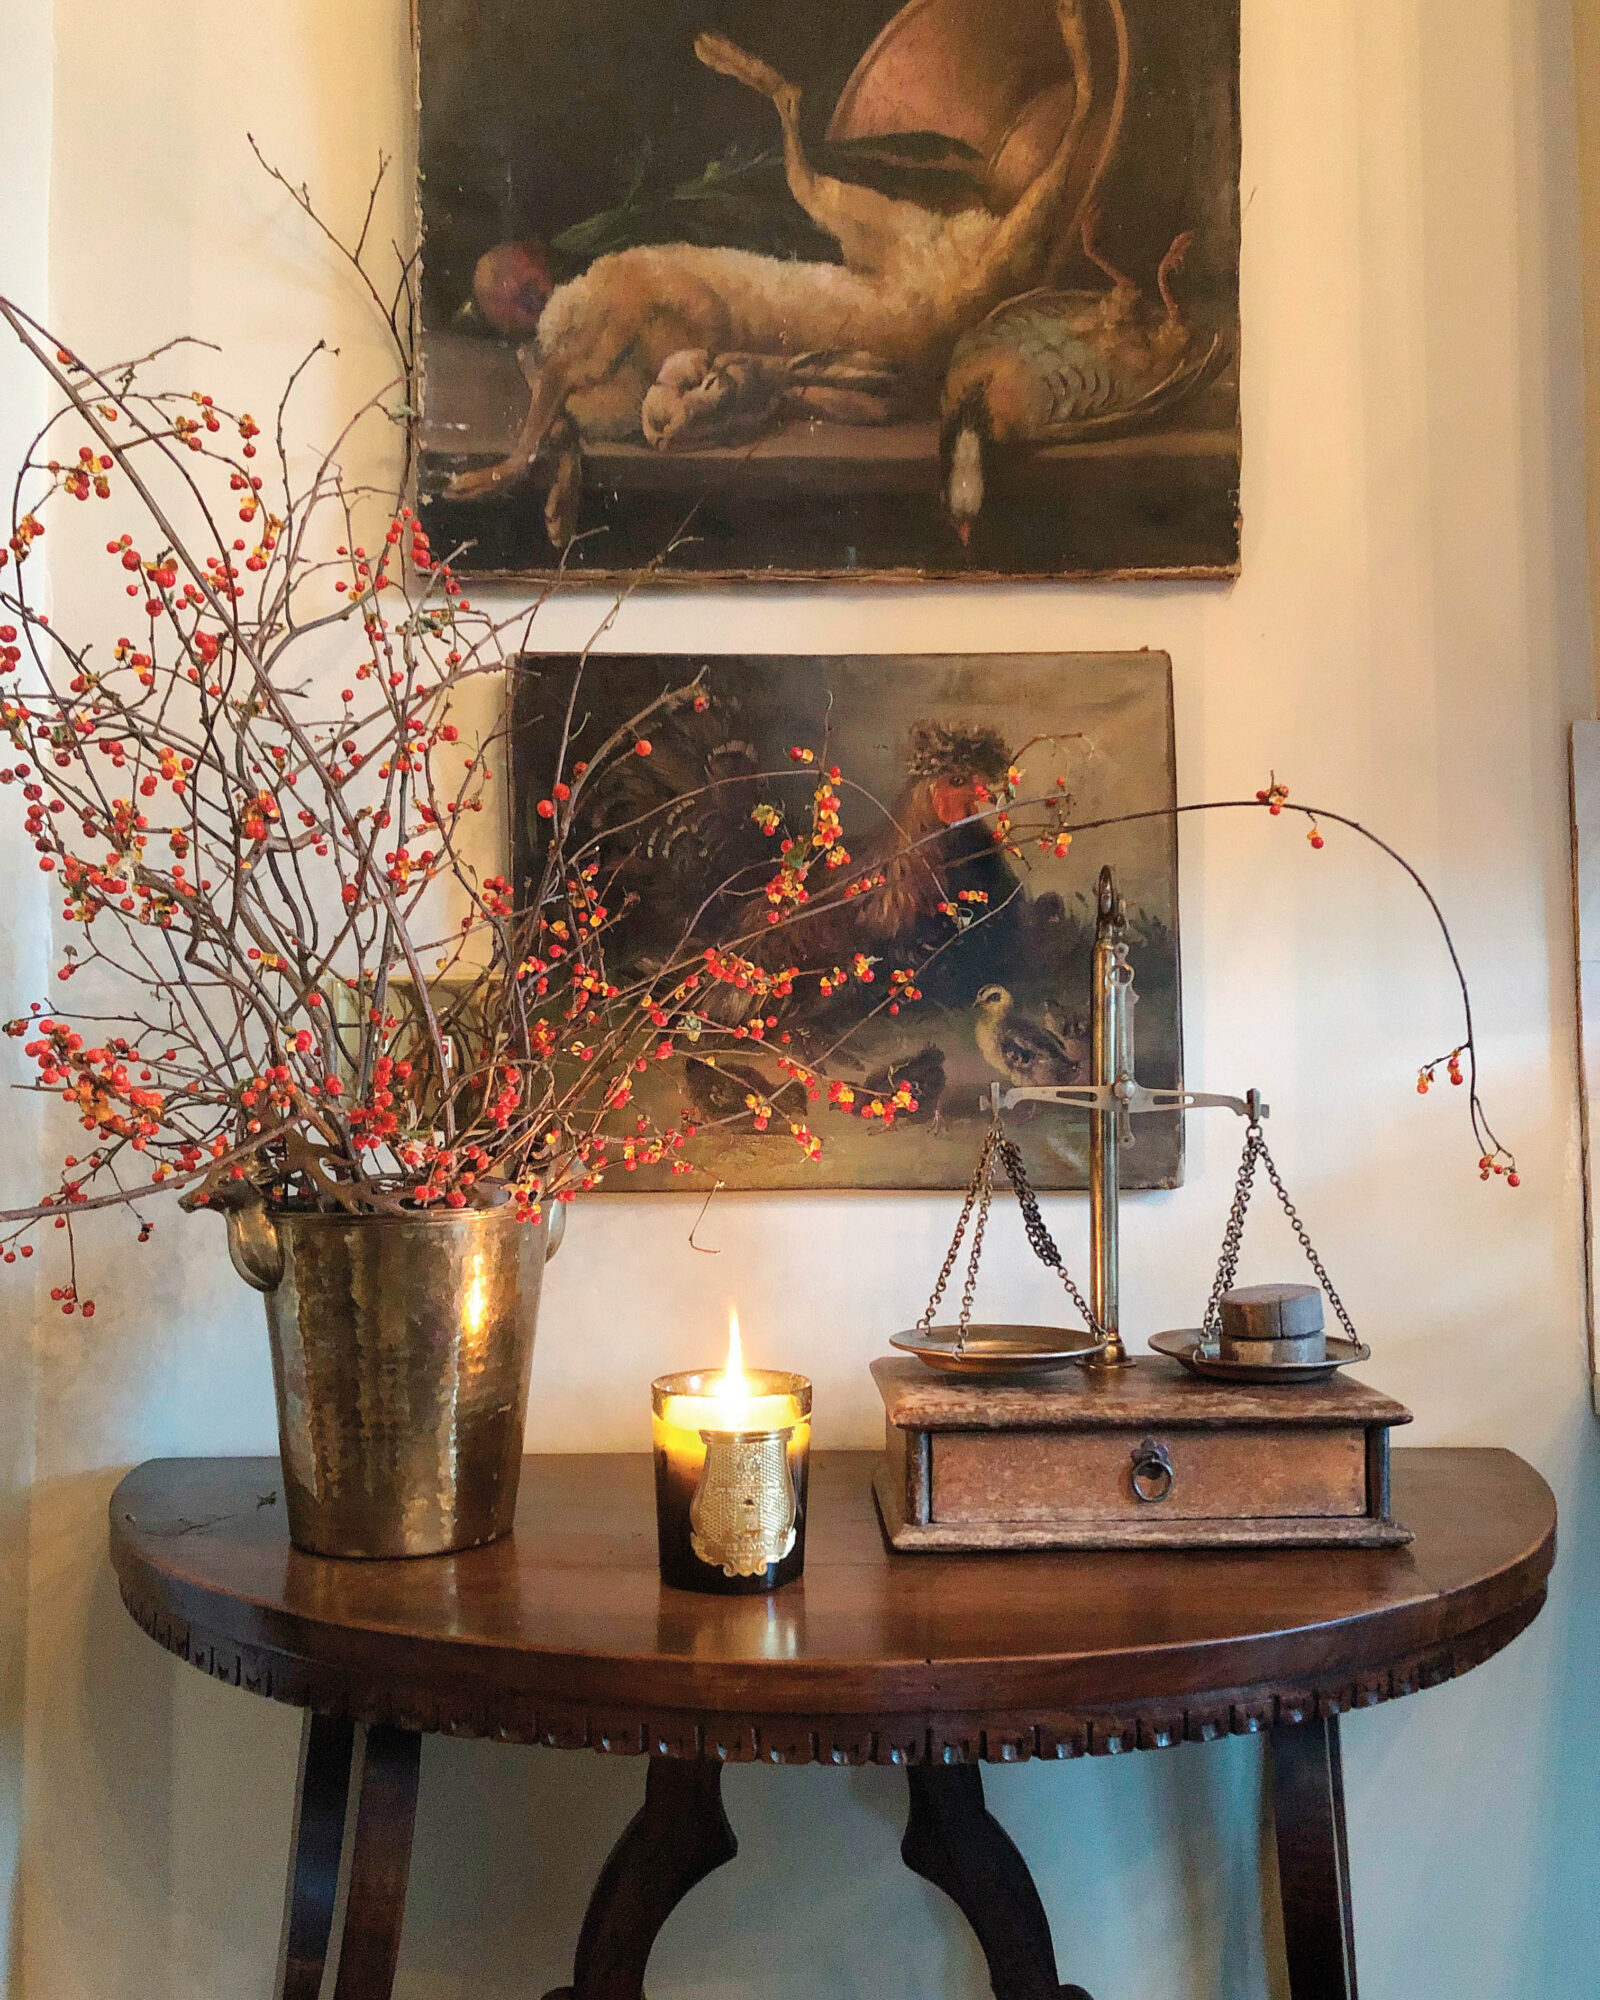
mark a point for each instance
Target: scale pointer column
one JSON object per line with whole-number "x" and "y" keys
{"x": 1111, "y": 1038}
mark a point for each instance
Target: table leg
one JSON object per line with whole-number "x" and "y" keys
{"x": 676, "y": 1839}
{"x": 954, "y": 1842}
{"x": 1314, "y": 1861}
{"x": 385, "y": 1803}
{"x": 314, "y": 1848}
{"x": 380, "y": 1863}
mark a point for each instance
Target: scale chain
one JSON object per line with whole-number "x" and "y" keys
{"x": 979, "y": 1178}
{"x": 1040, "y": 1241}
{"x": 986, "y": 1193}
{"x": 1039, "y": 1237}
{"x": 1255, "y": 1148}
{"x": 1233, "y": 1235}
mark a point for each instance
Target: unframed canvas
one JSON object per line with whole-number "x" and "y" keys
{"x": 1004, "y": 983}
{"x": 982, "y": 319}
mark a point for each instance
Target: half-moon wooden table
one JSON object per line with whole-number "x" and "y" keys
{"x": 564, "y": 1635}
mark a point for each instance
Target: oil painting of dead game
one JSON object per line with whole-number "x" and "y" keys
{"x": 958, "y": 955}
{"x": 836, "y": 288}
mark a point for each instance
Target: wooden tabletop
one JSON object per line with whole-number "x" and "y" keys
{"x": 563, "y": 1634}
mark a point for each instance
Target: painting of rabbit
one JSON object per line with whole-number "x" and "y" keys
{"x": 844, "y": 288}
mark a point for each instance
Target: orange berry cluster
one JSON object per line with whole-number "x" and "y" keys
{"x": 1451, "y": 1065}
{"x": 1274, "y": 796}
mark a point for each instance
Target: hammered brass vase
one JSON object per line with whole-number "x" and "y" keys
{"x": 401, "y": 1349}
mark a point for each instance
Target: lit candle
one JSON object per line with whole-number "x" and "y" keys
{"x": 732, "y": 1451}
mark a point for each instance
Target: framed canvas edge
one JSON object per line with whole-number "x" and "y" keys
{"x": 851, "y": 1190}
{"x": 1583, "y": 795}
{"x": 1177, "y": 920}
{"x": 647, "y": 576}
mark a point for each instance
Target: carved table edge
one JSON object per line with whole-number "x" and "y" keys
{"x": 914, "y": 1738}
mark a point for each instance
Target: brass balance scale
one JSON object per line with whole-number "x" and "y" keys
{"x": 1239, "y": 1432}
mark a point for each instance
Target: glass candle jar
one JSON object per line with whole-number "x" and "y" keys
{"x": 733, "y": 1458}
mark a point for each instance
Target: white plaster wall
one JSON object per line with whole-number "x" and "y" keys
{"x": 25, "y": 86}
{"x": 1409, "y": 642}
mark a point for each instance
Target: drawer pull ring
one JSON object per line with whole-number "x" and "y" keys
{"x": 1152, "y": 1472}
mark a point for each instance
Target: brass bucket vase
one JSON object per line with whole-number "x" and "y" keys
{"x": 401, "y": 1347}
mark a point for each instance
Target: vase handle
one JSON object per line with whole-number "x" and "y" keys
{"x": 558, "y": 1230}
{"x": 254, "y": 1247}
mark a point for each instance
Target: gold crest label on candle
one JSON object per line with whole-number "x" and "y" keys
{"x": 743, "y": 1515}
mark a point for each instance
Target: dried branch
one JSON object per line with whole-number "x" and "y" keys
{"x": 306, "y": 988}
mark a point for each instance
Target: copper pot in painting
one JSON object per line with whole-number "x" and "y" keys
{"x": 401, "y": 1350}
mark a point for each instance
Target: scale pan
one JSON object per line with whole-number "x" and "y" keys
{"x": 995, "y": 1351}
{"x": 1188, "y": 1347}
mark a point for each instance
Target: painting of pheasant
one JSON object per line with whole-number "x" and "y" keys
{"x": 1054, "y": 368}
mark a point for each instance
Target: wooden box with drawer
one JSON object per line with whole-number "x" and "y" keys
{"x": 1150, "y": 1457}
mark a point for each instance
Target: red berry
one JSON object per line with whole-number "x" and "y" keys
{"x": 643, "y": 747}
{"x": 1513, "y": 1180}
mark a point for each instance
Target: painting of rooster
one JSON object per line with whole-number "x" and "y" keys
{"x": 958, "y": 952}
{"x": 935, "y": 289}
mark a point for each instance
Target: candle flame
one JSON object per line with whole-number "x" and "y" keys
{"x": 734, "y": 1382}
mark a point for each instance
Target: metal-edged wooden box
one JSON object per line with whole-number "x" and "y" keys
{"x": 1148, "y": 1457}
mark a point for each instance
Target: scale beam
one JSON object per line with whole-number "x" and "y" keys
{"x": 1132, "y": 1098}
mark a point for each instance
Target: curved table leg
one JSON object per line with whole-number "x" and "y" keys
{"x": 954, "y": 1842}
{"x": 1313, "y": 1861}
{"x": 385, "y": 1807}
{"x": 315, "y": 1845}
{"x": 676, "y": 1839}
{"x": 380, "y": 1862}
